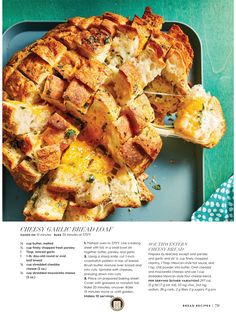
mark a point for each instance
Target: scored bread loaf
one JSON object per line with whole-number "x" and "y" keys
{"x": 75, "y": 112}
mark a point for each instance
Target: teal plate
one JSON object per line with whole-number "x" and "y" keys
{"x": 178, "y": 169}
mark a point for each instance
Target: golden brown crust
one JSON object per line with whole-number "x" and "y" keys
{"x": 58, "y": 122}
{"x": 123, "y": 127}
{"x": 153, "y": 21}
{"x": 118, "y": 19}
{"x": 139, "y": 112}
{"x": 84, "y": 23}
{"x": 67, "y": 34}
{"x": 108, "y": 26}
{"x": 53, "y": 91}
{"x": 93, "y": 43}
{"x": 11, "y": 156}
{"x": 49, "y": 50}
{"x": 150, "y": 141}
{"x": 128, "y": 83}
{"x": 26, "y": 175}
{"x": 162, "y": 104}
{"x": 69, "y": 63}
{"x": 135, "y": 157}
{"x": 7, "y": 72}
{"x": 77, "y": 95}
{"x": 182, "y": 42}
{"x": 21, "y": 88}
{"x": 35, "y": 68}
{"x": 93, "y": 74}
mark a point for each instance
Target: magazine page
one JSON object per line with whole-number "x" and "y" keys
{"x": 118, "y": 159}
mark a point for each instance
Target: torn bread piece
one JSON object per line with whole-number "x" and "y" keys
{"x": 154, "y": 21}
{"x": 44, "y": 205}
{"x": 97, "y": 192}
{"x": 48, "y": 158}
{"x": 150, "y": 62}
{"x": 146, "y": 26}
{"x": 145, "y": 194}
{"x": 200, "y": 119}
{"x": 181, "y": 41}
{"x": 138, "y": 152}
{"x": 124, "y": 189}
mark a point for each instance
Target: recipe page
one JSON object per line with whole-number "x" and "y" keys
{"x": 118, "y": 157}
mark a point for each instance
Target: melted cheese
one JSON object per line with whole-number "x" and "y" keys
{"x": 78, "y": 163}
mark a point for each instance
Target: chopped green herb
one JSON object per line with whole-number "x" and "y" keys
{"x": 21, "y": 107}
{"x": 60, "y": 204}
{"x": 91, "y": 178}
{"x": 70, "y": 133}
{"x": 156, "y": 187}
{"x": 107, "y": 40}
{"x": 199, "y": 117}
{"x": 86, "y": 105}
{"x": 60, "y": 66}
{"x": 135, "y": 87}
{"x": 91, "y": 39}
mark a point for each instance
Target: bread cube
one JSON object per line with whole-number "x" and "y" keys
{"x": 11, "y": 155}
{"x": 20, "y": 117}
{"x": 35, "y": 68}
{"x": 93, "y": 74}
{"x": 69, "y": 63}
{"x": 26, "y": 175}
{"x": 49, "y": 50}
{"x": 20, "y": 88}
{"x": 139, "y": 112}
{"x": 53, "y": 91}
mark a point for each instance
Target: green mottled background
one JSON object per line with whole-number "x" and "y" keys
{"x": 212, "y": 19}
